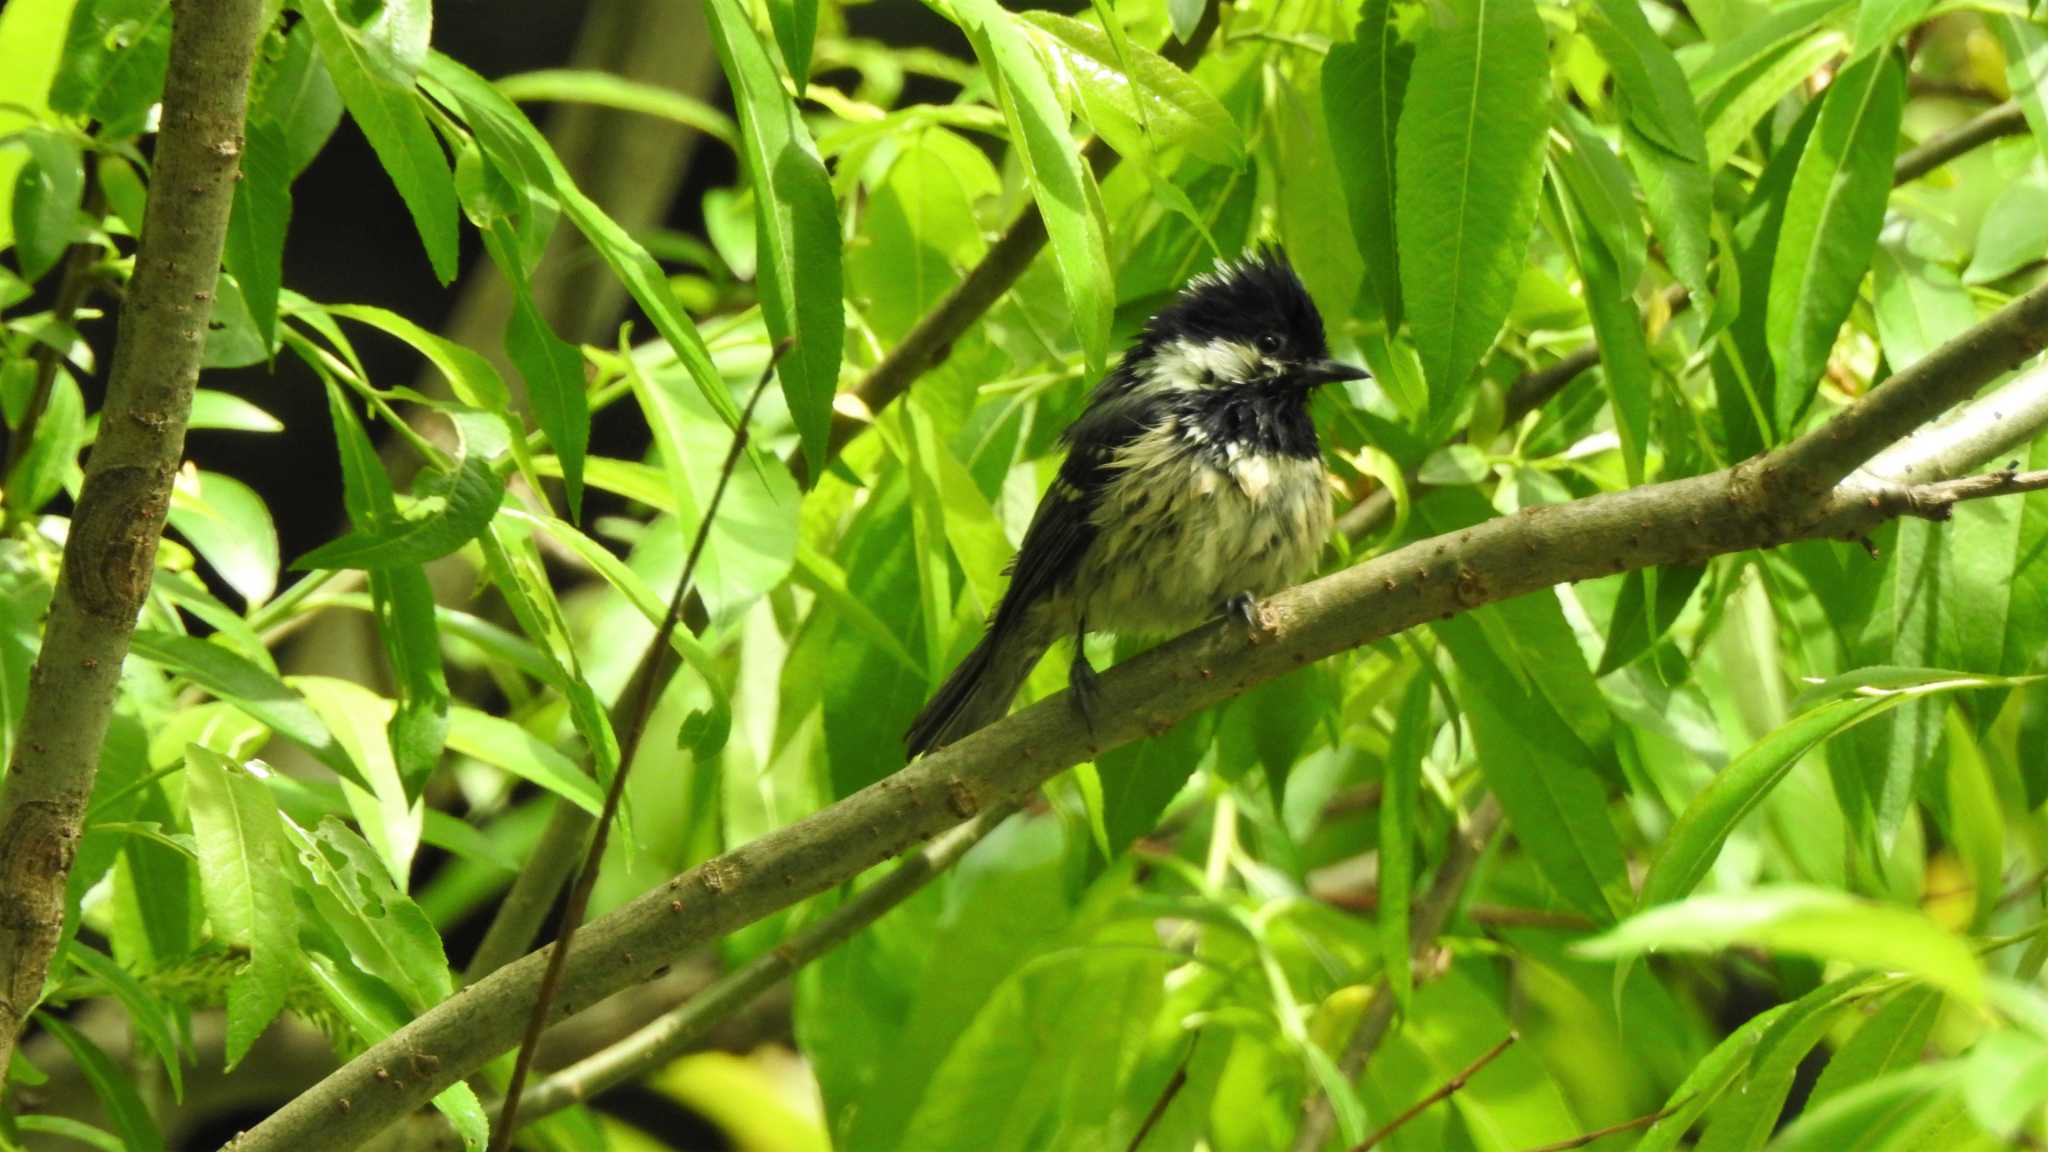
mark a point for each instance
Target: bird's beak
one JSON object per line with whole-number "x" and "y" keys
{"x": 1329, "y": 372}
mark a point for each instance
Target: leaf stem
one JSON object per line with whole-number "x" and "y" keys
{"x": 1443, "y": 1092}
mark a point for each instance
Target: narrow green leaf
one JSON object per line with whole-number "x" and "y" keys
{"x": 469, "y": 374}
{"x": 610, "y": 91}
{"x": 1817, "y": 922}
{"x": 2014, "y": 234}
{"x": 506, "y": 745}
{"x": 1662, "y": 136}
{"x": 1609, "y": 260}
{"x": 796, "y": 26}
{"x": 1740, "y": 1121}
{"x": 797, "y": 225}
{"x": 2026, "y": 70}
{"x": 373, "y": 67}
{"x": 1891, "y": 1039}
{"x": 1832, "y": 217}
{"x": 248, "y": 895}
{"x": 1400, "y": 793}
{"x": 115, "y": 53}
{"x": 1919, "y": 304}
{"x": 52, "y": 453}
{"x": 112, "y": 1084}
{"x": 148, "y": 1015}
{"x": 254, "y": 690}
{"x": 1730, "y": 113}
{"x": 1062, "y": 186}
{"x": 1134, "y": 94}
{"x": 456, "y": 514}
{"x": 1468, "y": 171}
{"x": 47, "y": 194}
{"x": 1364, "y": 80}
{"x": 1650, "y": 602}
{"x": 386, "y": 933}
{"x": 261, "y": 217}
{"x": 228, "y": 524}
{"x": 1540, "y": 770}
{"x": 551, "y": 367}
{"x": 295, "y": 95}
{"x": 1879, "y": 22}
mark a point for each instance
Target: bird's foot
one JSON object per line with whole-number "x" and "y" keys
{"x": 1085, "y": 687}
{"x": 1244, "y": 606}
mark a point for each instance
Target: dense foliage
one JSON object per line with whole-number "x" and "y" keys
{"x": 1770, "y": 817}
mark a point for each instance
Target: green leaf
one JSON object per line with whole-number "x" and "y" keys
{"x": 797, "y": 225}
{"x": 1609, "y": 265}
{"x": 1912, "y": 1108}
{"x": 1707, "y": 1080}
{"x": 452, "y": 518}
{"x": 295, "y": 96}
{"x": 1817, "y": 922}
{"x": 52, "y": 453}
{"x": 1661, "y": 134}
{"x": 507, "y": 135}
{"x": 796, "y": 26}
{"x": 1879, "y": 22}
{"x": 551, "y": 366}
{"x": 47, "y": 193}
{"x": 248, "y": 894}
{"x": 506, "y": 745}
{"x": 225, "y": 411}
{"x": 1832, "y": 217}
{"x": 385, "y": 932}
{"x": 261, "y": 217}
{"x": 469, "y": 374}
{"x": 1539, "y": 769}
{"x": 1141, "y": 778}
{"x": 257, "y": 692}
{"x": 228, "y": 524}
{"x": 2026, "y": 70}
{"x": 1919, "y": 304}
{"x": 1399, "y": 797}
{"x": 373, "y": 67}
{"x": 1134, "y": 95}
{"x": 1364, "y": 79}
{"x": 1893, "y": 1038}
{"x": 1649, "y": 603}
{"x": 1468, "y": 168}
{"x": 1740, "y": 1121}
{"x": 151, "y": 1018}
{"x": 2014, "y": 233}
{"x": 112, "y": 1084}
{"x": 115, "y": 53}
{"x": 1062, "y": 186}
{"x": 609, "y": 91}
{"x": 1732, "y": 111}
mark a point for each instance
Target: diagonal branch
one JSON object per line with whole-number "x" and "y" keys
{"x": 110, "y": 553}
{"x": 1780, "y": 498}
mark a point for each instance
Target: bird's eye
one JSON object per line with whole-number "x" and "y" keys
{"x": 1269, "y": 341}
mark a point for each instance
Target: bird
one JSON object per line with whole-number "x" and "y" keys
{"x": 1193, "y": 486}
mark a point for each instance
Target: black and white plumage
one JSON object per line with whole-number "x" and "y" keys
{"x": 1193, "y": 484}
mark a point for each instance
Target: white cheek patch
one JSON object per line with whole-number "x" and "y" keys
{"x": 1188, "y": 365}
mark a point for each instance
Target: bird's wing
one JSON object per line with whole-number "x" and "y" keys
{"x": 1063, "y": 527}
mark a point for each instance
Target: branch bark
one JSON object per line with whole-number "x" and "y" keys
{"x": 1757, "y": 504}
{"x": 111, "y": 550}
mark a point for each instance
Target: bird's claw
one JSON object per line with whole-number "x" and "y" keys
{"x": 1244, "y": 607}
{"x": 1085, "y": 687}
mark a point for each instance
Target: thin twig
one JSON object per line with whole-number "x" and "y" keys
{"x": 668, "y": 1036}
{"x": 1443, "y": 1092}
{"x": 1426, "y": 922}
{"x": 2004, "y": 120}
{"x": 1174, "y": 1084}
{"x": 629, "y": 747}
{"x": 1585, "y": 1138}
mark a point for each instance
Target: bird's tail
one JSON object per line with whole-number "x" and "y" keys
{"x": 979, "y": 691}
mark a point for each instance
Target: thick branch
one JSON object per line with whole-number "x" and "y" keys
{"x": 1755, "y": 505}
{"x": 111, "y": 550}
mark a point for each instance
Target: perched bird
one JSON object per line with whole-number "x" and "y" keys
{"x": 1193, "y": 484}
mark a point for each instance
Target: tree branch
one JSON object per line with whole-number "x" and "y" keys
{"x": 2004, "y": 120}
{"x": 1426, "y": 921}
{"x": 110, "y": 553}
{"x": 1758, "y": 504}
{"x": 640, "y": 705}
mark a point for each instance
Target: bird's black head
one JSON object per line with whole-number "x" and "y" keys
{"x": 1249, "y": 322}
